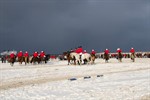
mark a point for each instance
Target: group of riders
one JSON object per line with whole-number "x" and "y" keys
{"x": 76, "y": 56}
{"x": 119, "y": 54}
{"x": 79, "y": 56}
{"x": 25, "y": 57}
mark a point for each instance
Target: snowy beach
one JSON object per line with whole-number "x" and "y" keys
{"x": 120, "y": 81}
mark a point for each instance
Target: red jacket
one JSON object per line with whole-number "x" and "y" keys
{"x": 35, "y": 54}
{"x": 132, "y": 50}
{"x": 79, "y": 50}
{"x": 20, "y": 54}
{"x": 93, "y": 52}
{"x": 106, "y": 51}
{"x": 119, "y": 50}
{"x": 42, "y": 54}
{"x": 12, "y": 55}
{"x": 26, "y": 54}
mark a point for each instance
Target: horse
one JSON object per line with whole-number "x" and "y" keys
{"x": 44, "y": 59}
{"x": 119, "y": 57}
{"x": 70, "y": 57}
{"x": 77, "y": 58}
{"x": 133, "y": 57}
{"x": 106, "y": 57}
{"x": 86, "y": 57}
{"x": 82, "y": 58}
{"x": 11, "y": 60}
{"x": 34, "y": 60}
{"x": 20, "y": 59}
{"x": 92, "y": 58}
{"x": 26, "y": 60}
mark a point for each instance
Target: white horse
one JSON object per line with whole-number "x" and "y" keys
{"x": 76, "y": 57}
{"x": 79, "y": 58}
{"x": 86, "y": 58}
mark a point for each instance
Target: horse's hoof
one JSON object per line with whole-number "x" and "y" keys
{"x": 72, "y": 79}
{"x": 87, "y": 77}
{"x": 99, "y": 75}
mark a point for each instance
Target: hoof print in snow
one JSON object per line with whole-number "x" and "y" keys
{"x": 87, "y": 77}
{"x": 72, "y": 79}
{"x": 99, "y": 75}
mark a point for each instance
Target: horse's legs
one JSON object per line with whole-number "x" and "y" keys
{"x": 68, "y": 60}
{"x": 12, "y": 61}
{"x": 120, "y": 59}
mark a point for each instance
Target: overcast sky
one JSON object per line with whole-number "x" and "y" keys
{"x": 59, "y": 25}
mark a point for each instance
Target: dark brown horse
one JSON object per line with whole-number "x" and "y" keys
{"x": 39, "y": 60}
{"x": 35, "y": 60}
{"x": 44, "y": 59}
{"x": 120, "y": 56}
{"x": 20, "y": 59}
{"x": 11, "y": 60}
{"x": 133, "y": 57}
{"x": 106, "y": 57}
{"x": 26, "y": 60}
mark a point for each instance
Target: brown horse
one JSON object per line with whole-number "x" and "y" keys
{"x": 120, "y": 56}
{"x": 34, "y": 60}
{"x": 106, "y": 57}
{"x": 20, "y": 59}
{"x": 93, "y": 57}
{"x": 26, "y": 60}
{"x": 133, "y": 57}
{"x": 44, "y": 60}
{"x": 70, "y": 59}
{"x": 11, "y": 60}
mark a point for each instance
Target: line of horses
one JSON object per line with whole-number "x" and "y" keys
{"x": 119, "y": 57}
{"x": 27, "y": 60}
{"x": 75, "y": 58}
{"x": 72, "y": 58}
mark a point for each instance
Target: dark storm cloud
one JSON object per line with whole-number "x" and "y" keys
{"x": 59, "y": 25}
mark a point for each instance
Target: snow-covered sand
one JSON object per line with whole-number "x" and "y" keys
{"x": 120, "y": 81}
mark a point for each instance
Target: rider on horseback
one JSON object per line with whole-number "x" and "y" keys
{"x": 43, "y": 57}
{"x": 42, "y": 54}
{"x": 20, "y": 56}
{"x": 12, "y": 58}
{"x": 79, "y": 51}
{"x": 12, "y": 55}
{"x": 93, "y": 52}
{"x": 35, "y": 54}
{"x": 26, "y": 57}
{"x": 132, "y": 51}
{"x": 106, "y": 51}
{"x": 106, "y": 55}
{"x": 119, "y": 57}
